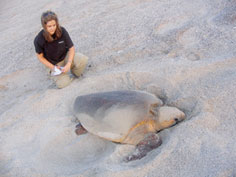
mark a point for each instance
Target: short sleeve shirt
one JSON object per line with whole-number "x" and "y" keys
{"x": 56, "y": 50}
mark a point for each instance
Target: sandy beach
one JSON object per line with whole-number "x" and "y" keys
{"x": 182, "y": 51}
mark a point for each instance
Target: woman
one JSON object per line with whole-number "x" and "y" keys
{"x": 54, "y": 48}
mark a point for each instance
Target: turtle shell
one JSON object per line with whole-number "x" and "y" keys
{"x": 115, "y": 115}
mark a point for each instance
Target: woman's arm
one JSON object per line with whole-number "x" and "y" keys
{"x": 71, "y": 55}
{"x": 44, "y": 61}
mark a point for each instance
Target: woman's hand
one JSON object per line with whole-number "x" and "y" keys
{"x": 66, "y": 67}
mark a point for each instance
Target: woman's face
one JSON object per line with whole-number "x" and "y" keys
{"x": 51, "y": 27}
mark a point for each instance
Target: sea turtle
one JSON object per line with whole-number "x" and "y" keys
{"x": 129, "y": 117}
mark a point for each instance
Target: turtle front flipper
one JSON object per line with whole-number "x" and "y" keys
{"x": 150, "y": 142}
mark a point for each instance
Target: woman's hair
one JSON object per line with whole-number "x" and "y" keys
{"x": 45, "y": 18}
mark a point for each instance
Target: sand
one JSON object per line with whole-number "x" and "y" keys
{"x": 182, "y": 51}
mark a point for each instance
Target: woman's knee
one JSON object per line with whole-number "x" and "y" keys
{"x": 80, "y": 62}
{"x": 80, "y": 59}
{"x": 64, "y": 81}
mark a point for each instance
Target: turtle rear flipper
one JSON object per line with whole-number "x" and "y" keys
{"x": 150, "y": 142}
{"x": 80, "y": 130}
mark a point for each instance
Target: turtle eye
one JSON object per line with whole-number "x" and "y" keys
{"x": 176, "y": 120}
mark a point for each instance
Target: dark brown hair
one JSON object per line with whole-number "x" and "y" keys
{"x": 45, "y": 18}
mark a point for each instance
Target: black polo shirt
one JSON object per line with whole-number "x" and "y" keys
{"x": 56, "y": 50}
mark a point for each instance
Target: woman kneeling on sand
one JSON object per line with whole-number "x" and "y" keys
{"x": 55, "y": 49}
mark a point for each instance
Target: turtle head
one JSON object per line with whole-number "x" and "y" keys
{"x": 169, "y": 116}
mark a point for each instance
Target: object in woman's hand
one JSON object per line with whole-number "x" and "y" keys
{"x": 56, "y": 71}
